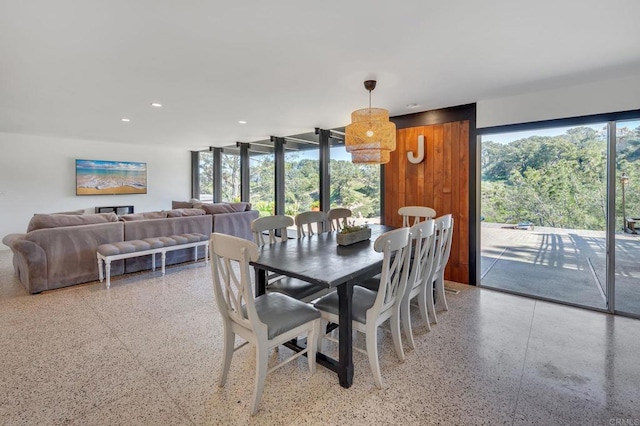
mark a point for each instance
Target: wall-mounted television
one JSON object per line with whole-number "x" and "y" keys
{"x": 98, "y": 177}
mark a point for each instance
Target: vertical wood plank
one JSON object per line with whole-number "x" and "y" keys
{"x": 402, "y": 171}
{"x": 428, "y": 164}
{"x": 438, "y": 165}
{"x": 420, "y": 184}
{"x": 464, "y": 209}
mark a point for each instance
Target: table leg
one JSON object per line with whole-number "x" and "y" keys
{"x": 261, "y": 281}
{"x": 345, "y": 362}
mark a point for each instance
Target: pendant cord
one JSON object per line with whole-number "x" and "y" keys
{"x": 369, "y": 107}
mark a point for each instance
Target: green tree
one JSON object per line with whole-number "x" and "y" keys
{"x": 555, "y": 181}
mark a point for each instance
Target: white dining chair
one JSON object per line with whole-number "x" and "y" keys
{"x": 305, "y": 222}
{"x": 264, "y": 231}
{"x": 413, "y": 214}
{"x": 265, "y": 321}
{"x": 338, "y": 218}
{"x": 444, "y": 234}
{"x": 370, "y": 309}
{"x": 420, "y": 282}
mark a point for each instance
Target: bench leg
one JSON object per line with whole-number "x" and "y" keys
{"x": 164, "y": 258}
{"x": 195, "y": 254}
{"x": 100, "y": 275}
{"x": 206, "y": 253}
{"x": 153, "y": 261}
{"x": 107, "y": 270}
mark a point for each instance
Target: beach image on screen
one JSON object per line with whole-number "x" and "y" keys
{"x": 95, "y": 177}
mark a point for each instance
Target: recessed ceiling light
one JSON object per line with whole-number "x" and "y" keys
{"x": 126, "y": 120}
{"x": 242, "y": 122}
{"x": 411, "y": 106}
{"x": 157, "y": 105}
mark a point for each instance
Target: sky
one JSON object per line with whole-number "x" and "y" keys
{"x": 554, "y": 131}
{"x": 514, "y": 136}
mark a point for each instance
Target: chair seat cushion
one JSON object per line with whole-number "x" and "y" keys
{"x": 282, "y": 313}
{"x": 295, "y": 288}
{"x": 363, "y": 300}
{"x": 372, "y": 283}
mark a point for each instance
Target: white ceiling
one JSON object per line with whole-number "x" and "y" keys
{"x": 75, "y": 68}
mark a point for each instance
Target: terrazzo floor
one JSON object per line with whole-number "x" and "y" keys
{"x": 147, "y": 351}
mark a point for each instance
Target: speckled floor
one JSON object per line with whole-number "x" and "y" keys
{"x": 147, "y": 351}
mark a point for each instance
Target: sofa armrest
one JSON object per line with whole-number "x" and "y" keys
{"x": 30, "y": 261}
{"x": 8, "y": 240}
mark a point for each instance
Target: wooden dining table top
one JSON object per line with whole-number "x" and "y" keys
{"x": 320, "y": 260}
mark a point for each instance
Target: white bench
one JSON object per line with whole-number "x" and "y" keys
{"x": 107, "y": 253}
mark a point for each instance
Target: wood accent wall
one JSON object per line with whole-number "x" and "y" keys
{"x": 441, "y": 181}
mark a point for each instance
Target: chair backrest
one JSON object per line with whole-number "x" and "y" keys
{"x": 444, "y": 235}
{"x": 424, "y": 253}
{"x": 230, "y": 257}
{"x": 396, "y": 246}
{"x": 272, "y": 224}
{"x": 416, "y": 213}
{"x": 304, "y": 223}
{"x": 338, "y": 218}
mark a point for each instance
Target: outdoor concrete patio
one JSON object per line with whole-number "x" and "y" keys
{"x": 567, "y": 265}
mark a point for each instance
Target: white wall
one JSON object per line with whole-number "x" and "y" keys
{"x": 612, "y": 95}
{"x": 37, "y": 175}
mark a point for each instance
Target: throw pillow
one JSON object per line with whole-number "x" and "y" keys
{"x": 216, "y": 208}
{"x": 185, "y": 212}
{"x": 181, "y": 205}
{"x": 241, "y": 206}
{"x": 146, "y": 215}
{"x": 44, "y": 221}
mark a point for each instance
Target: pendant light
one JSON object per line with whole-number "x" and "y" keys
{"x": 371, "y": 136}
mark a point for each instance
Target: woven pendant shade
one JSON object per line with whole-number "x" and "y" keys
{"x": 370, "y": 137}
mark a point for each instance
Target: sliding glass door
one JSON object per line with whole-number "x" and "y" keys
{"x": 544, "y": 202}
{"x": 627, "y": 236}
{"x": 560, "y": 212}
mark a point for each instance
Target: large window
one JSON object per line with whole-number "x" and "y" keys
{"x": 205, "y": 176}
{"x": 354, "y": 186}
{"x": 627, "y": 270}
{"x": 230, "y": 174}
{"x": 552, "y": 210}
{"x": 302, "y": 180}
{"x": 544, "y": 199}
{"x": 262, "y": 182}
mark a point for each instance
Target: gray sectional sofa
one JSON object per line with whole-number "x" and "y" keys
{"x": 60, "y": 250}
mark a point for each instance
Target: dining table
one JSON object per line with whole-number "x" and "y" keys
{"x": 319, "y": 259}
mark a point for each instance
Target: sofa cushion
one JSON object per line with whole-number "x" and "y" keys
{"x": 217, "y": 208}
{"x": 241, "y": 206}
{"x": 181, "y": 205}
{"x": 146, "y": 215}
{"x": 185, "y": 212}
{"x": 43, "y": 221}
